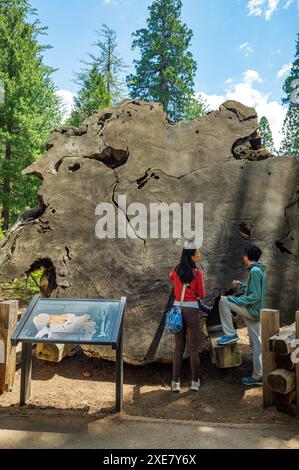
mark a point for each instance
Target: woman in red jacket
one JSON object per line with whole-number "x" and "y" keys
{"x": 186, "y": 273}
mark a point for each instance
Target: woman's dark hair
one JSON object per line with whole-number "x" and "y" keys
{"x": 253, "y": 252}
{"x": 185, "y": 269}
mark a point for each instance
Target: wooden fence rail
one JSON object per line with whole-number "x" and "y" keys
{"x": 280, "y": 355}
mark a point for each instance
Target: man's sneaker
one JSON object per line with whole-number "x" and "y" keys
{"x": 175, "y": 387}
{"x": 195, "y": 385}
{"x": 227, "y": 340}
{"x": 252, "y": 381}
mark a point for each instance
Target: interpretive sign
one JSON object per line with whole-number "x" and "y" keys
{"x": 66, "y": 321}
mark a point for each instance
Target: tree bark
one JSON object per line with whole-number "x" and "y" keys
{"x": 6, "y": 191}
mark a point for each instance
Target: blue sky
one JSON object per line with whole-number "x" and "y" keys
{"x": 243, "y": 47}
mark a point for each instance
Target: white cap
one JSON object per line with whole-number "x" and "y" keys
{"x": 190, "y": 245}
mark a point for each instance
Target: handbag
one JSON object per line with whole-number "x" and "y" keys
{"x": 174, "y": 317}
{"x": 205, "y": 309}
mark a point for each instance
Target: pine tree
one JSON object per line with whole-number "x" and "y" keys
{"x": 110, "y": 64}
{"x": 289, "y": 87}
{"x": 166, "y": 69}
{"x": 267, "y": 136}
{"x": 92, "y": 95}
{"x": 290, "y": 143}
{"x": 195, "y": 108}
{"x": 30, "y": 108}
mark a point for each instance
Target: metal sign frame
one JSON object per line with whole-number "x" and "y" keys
{"x": 116, "y": 343}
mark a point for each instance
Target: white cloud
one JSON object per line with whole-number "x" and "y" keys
{"x": 255, "y": 7}
{"x": 272, "y": 7}
{"x": 288, "y": 4}
{"x": 251, "y": 76}
{"x": 266, "y": 8}
{"x": 112, "y": 2}
{"x": 214, "y": 101}
{"x": 285, "y": 69}
{"x": 67, "y": 98}
{"x": 247, "y": 93}
{"x": 246, "y": 48}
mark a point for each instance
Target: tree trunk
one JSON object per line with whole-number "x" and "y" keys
{"x": 109, "y": 67}
{"x": 6, "y": 191}
{"x": 163, "y": 67}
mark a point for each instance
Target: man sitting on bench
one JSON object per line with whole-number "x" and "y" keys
{"x": 248, "y": 305}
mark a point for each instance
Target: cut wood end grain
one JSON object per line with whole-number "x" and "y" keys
{"x": 282, "y": 343}
{"x": 282, "y": 381}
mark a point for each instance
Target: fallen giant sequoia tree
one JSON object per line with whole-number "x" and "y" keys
{"x": 130, "y": 149}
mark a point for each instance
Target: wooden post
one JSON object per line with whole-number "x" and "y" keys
{"x": 297, "y": 364}
{"x": 8, "y": 323}
{"x": 270, "y": 322}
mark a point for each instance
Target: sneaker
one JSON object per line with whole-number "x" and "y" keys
{"x": 195, "y": 385}
{"x": 252, "y": 381}
{"x": 227, "y": 340}
{"x": 175, "y": 386}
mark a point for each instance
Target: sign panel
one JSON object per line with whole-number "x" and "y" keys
{"x": 71, "y": 321}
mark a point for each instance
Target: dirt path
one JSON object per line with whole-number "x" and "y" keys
{"x": 61, "y": 389}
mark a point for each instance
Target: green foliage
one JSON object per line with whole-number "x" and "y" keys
{"x": 290, "y": 87}
{"x": 166, "y": 69}
{"x": 30, "y": 109}
{"x": 2, "y": 235}
{"x": 99, "y": 81}
{"x": 110, "y": 64}
{"x": 290, "y": 143}
{"x": 195, "y": 108}
{"x": 92, "y": 95}
{"x": 21, "y": 289}
{"x": 266, "y": 134}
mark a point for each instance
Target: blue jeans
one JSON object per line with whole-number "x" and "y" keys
{"x": 254, "y": 331}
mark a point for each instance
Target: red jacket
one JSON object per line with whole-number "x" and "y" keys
{"x": 196, "y": 285}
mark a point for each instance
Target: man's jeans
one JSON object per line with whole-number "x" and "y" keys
{"x": 254, "y": 331}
